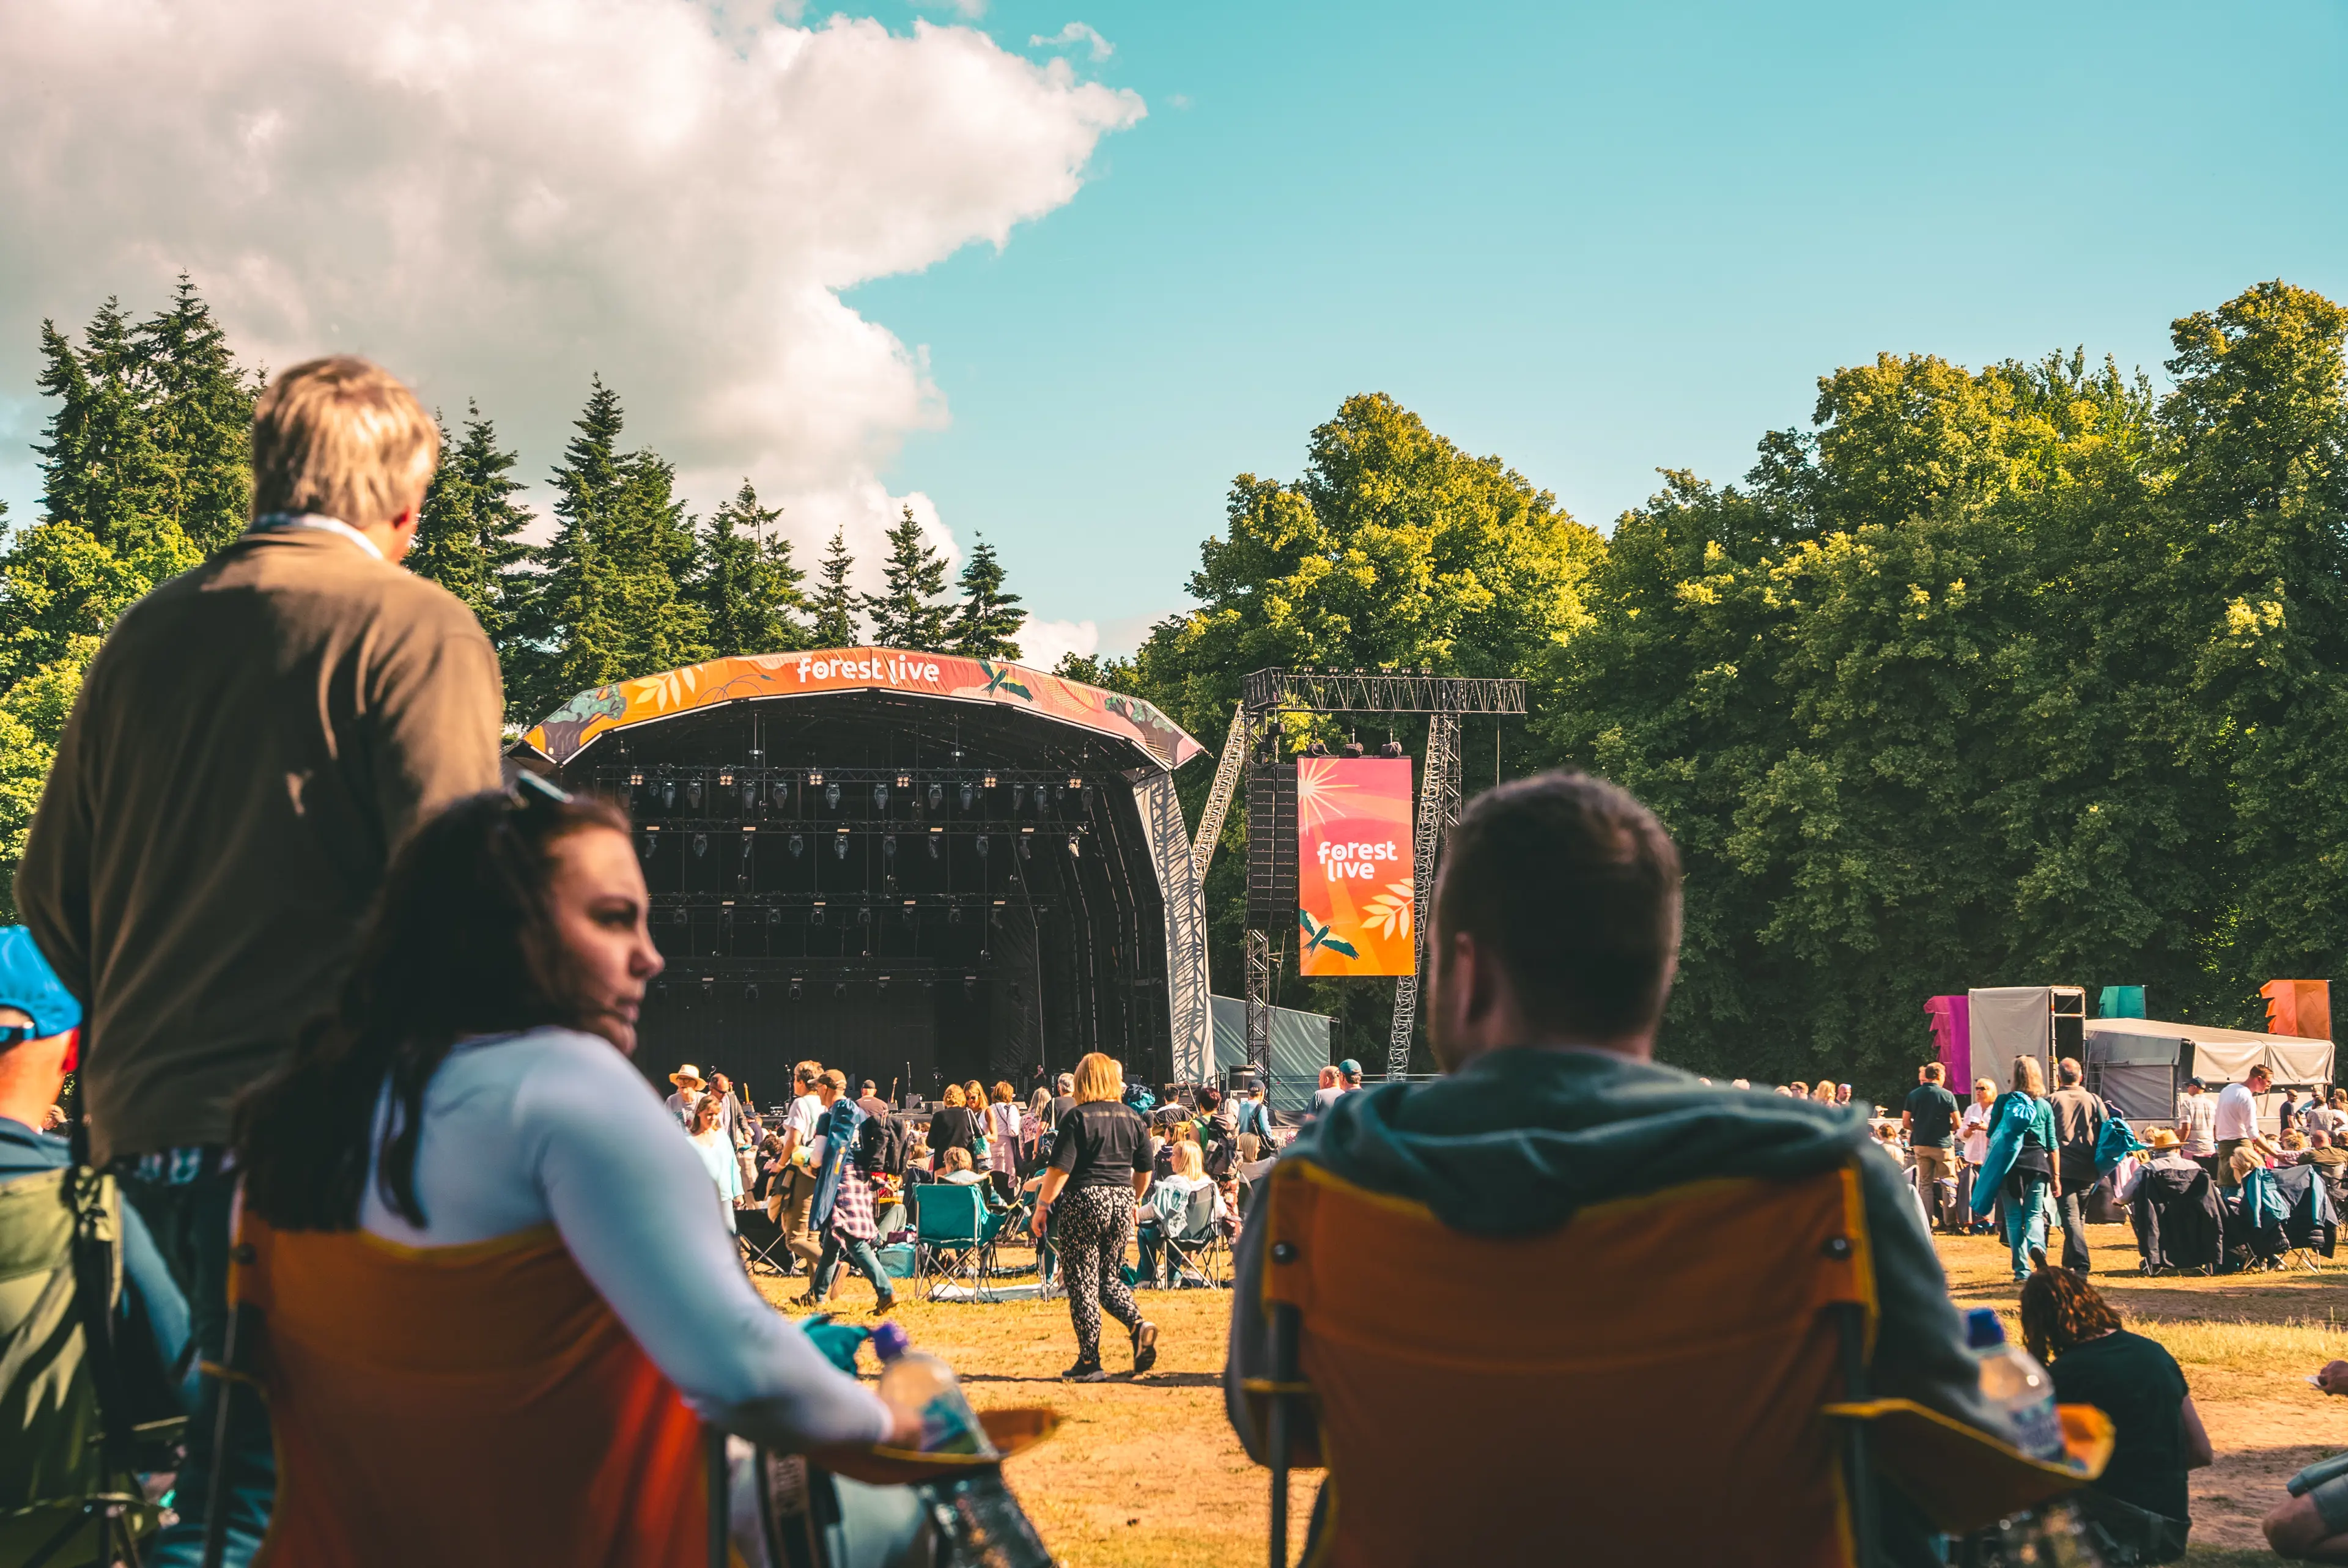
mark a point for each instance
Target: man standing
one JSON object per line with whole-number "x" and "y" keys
{"x": 252, "y": 742}
{"x": 1930, "y": 1119}
{"x": 871, "y": 1105}
{"x": 686, "y": 1095}
{"x": 1555, "y": 937}
{"x": 2237, "y": 1120}
{"x": 788, "y": 1205}
{"x": 2197, "y": 1121}
{"x": 2079, "y": 1118}
{"x": 1063, "y": 1102}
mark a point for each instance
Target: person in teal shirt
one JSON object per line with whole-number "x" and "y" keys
{"x": 2021, "y": 1167}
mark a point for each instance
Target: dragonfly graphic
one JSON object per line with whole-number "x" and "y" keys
{"x": 1000, "y": 681}
{"x": 1318, "y": 937}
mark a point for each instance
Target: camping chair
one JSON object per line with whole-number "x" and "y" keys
{"x": 761, "y": 1238}
{"x": 1195, "y": 1242}
{"x": 953, "y": 1238}
{"x": 67, "y": 1475}
{"x": 1723, "y": 1328}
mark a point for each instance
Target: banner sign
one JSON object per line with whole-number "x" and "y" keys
{"x": 1355, "y": 905}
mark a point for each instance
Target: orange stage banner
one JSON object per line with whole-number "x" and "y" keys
{"x": 1354, "y": 903}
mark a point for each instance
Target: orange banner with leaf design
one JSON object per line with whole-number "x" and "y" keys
{"x": 1355, "y": 905}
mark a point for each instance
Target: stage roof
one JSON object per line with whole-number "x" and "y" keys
{"x": 579, "y": 724}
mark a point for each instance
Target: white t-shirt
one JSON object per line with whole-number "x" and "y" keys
{"x": 556, "y": 1127}
{"x": 1974, "y": 1125}
{"x": 2197, "y": 1116}
{"x": 2238, "y": 1113}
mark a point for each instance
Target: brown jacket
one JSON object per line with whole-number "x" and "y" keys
{"x": 250, "y": 743}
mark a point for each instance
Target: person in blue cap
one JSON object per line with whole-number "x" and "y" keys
{"x": 39, "y": 1025}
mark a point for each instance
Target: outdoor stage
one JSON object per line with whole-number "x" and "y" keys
{"x": 915, "y": 867}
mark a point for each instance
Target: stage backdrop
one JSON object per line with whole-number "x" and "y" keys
{"x": 1355, "y": 901}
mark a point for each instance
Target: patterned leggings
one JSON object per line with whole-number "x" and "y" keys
{"x": 1090, "y": 1228}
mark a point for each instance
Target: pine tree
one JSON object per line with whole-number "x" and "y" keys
{"x": 905, "y": 613}
{"x": 607, "y": 607}
{"x": 833, "y": 601}
{"x": 986, "y": 623}
{"x": 200, "y": 406}
{"x": 468, "y": 534}
{"x": 747, "y": 586}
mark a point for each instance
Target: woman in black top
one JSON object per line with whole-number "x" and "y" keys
{"x": 1099, "y": 1168}
{"x": 952, "y": 1126}
{"x": 2140, "y": 1501}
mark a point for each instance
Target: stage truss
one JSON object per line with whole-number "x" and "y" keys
{"x": 1265, "y": 697}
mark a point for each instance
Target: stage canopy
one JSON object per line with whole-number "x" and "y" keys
{"x": 918, "y": 867}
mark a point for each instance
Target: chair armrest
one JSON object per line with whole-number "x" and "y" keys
{"x": 1962, "y": 1477}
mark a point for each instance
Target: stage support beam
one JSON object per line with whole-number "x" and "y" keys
{"x": 1236, "y": 745}
{"x": 1439, "y": 809}
{"x": 1261, "y": 962}
{"x": 1184, "y": 893}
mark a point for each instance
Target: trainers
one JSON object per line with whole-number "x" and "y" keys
{"x": 1145, "y": 1348}
{"x": 1085, "y": 1372}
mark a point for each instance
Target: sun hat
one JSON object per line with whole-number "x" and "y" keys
{"x": 30, "y": 986}
{"x": 2162, "y": 1138}
{"x": 687, "y": 1074}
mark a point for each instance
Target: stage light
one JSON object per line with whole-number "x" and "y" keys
{"x": 937, "y": 797}
{"x": 700, "y": 845}
{"x": 984, "y": 953}
{"x": 815, "y": 916}
{"x": 988, "y": 782}
{"x": 937, "y": 842}
{"x": 782, "y": 794}
{"x": 1076, "y": 783}
{"x": 831, "y": 798}
{"x": 750, "y": 992}
{"x": 880, "y": 797}
{"x": 904, "y": 781}
{"x": 1088, "y": 800}
{"x": 1073, "y": 849}
{"x": 981, "y": 845}
{"x": 1392, "y": 748}
{"x": 839, "y": 989}
{"x": 795, "y": 988}
{"x": 953, "y": 914}
{"x": 864, "y": 915}
{"x": 913, "y": 916}
{"x": 1352, "y": 746}
{"x": 839, "y": 844}
{"x": 798, "y": 845}
{"x": 814, "y": 778}
{"x": 660, "y": 990}
{"x": 749, "y": 847}
{"x": 773, "y": 916}
{"x": 1027, "y": 845}
{"x": 750, "y": 795}
{"x": 888, "y": 846}
{"x": 1018, "y": 794}
{"x": 968, "y": 796}
{"x": 637, "y": 779}
{"x": 668, "y": 794}
{"x": 884, "y": 982}
{"x": 709, "y": 985}
{"x": 725, "y": 780}
{"x": 969, "y": 984}
{"x": 651, "y": 842}
{"x": 692, "y": 793}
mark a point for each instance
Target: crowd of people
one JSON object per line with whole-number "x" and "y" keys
{"x": 362, "y": 1017}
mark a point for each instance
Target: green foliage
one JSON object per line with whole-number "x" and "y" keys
{"x": 747, "y": 586}
{"x": 833, "y": 603}
{"x": 469, "y": 532}
{"x": 906, "y": 613}
{"x": 608, "y": 606}
{"x": 987, "y": 622}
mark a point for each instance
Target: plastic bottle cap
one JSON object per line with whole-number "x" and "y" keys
{"x": 890, "y": 1341}
{"x": 1982, "y": 1330}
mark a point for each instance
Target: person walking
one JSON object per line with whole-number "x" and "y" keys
{"x": 707, "y": 1134}
{"x": 1930, "y": 1118}
{"x": 687, "y": 1090}
{"x": 847, "y": 1153}
{"x": 251, "y": 744}
{"x": 2022, "y": 1162}
{"x": 1972, "y": 1149}
{"x": 1005, "y": 1136}
{"x": 1099, "y": 1169}
{"x": 794, "y": 1190}
{"x": 2079, "y": 1118}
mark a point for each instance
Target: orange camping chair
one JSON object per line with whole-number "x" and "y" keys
{"x": 1705, "y": 1344}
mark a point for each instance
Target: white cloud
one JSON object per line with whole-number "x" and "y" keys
{"x": 1043, "y": 643}
{"x": 496, "y": 198}
{"x": 1076, "y": 33}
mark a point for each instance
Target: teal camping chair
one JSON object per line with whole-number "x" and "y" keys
{"x": 954, "y": 1232}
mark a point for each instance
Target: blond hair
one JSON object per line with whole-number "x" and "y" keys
{"x": 1098, "y": 1078}
{"x": 1825, "y": 1091}
{"x": 1003, "y": 1090}
{"x": 953, "y": 1094}
{"x": 1189, "y": 1161}
{"x": 957, "y": 1158}
{"x": 343, "y": 438}
{"x": 974, "y": 1094}
{"x": 2029, "y": 1077}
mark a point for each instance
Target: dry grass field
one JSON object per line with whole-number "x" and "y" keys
{"x": 1145, "y": 1470}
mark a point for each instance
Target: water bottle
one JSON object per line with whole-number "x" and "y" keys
{"x": 2016, "y": 1383}
{"x": 917, "y": 1382}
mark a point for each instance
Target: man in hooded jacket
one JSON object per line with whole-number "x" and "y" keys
{"x": 1555, "y": 939}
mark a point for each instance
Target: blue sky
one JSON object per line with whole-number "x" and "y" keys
{"x": 1595, "y": 241}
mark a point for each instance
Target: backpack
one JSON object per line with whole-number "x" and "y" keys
{"x": 1223, "y": 1158}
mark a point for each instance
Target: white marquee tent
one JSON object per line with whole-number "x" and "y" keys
{"x": 2138, "y": 1065}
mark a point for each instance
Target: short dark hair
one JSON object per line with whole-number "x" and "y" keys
{"x": 1934, "y": 1072}
{"x": 1575, "y": 887}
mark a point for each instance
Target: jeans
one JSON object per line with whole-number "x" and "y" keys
{"x": 191, "y": 1225}
{"x": 2025, "y": 1220}
{"x": 858, "y": 1252}
{"x": 2073, "y": 1206}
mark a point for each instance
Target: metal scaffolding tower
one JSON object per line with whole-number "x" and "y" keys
{"x": 1264, "y": 697}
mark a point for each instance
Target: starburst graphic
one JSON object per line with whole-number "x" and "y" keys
{"x": 1319, "y": 792}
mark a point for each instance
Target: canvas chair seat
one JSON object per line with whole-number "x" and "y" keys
{"x": 1660, "y": 1364}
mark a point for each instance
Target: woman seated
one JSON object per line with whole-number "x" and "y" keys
{"x": 2139, "y": 1502}
{"x": 499, "y": 1306}
{"x": 1168, "y": 1206}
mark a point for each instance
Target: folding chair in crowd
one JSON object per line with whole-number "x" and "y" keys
{"x": 762, "y": 1247}
{"x": 1195, "y": 1243}
{"x": 1750, "y": 1301}
{"x": 953, "y": 1238}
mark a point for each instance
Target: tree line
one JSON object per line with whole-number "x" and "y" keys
{"x": 2027, "y": 674}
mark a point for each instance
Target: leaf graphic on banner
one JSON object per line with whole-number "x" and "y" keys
{"x": 1390, "y": 911}
{"x": 1317, "y": 937}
